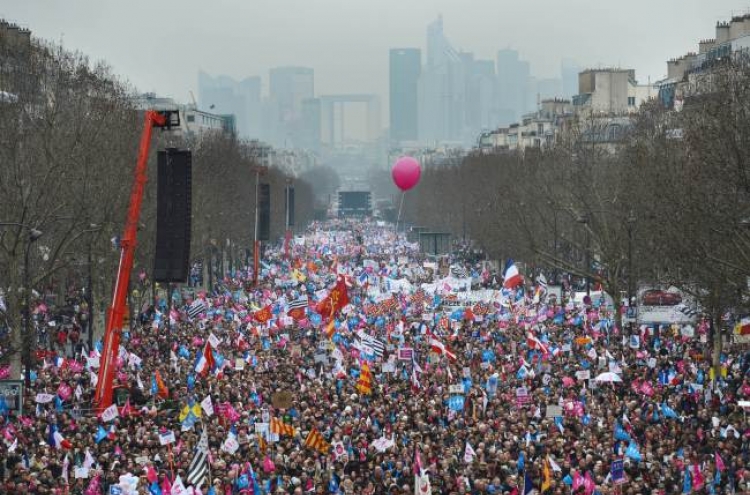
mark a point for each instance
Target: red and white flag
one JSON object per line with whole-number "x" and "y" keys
{"x": 440, "y": 348}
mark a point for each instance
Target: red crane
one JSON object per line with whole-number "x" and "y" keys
{"x": 116, "y": 311}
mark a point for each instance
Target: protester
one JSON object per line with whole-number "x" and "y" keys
{"x": 361, "y": 367}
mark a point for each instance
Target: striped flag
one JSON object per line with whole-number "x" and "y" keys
{"x": 198, "y": 470}
{"x": 316, "y": 441}
{"x": 195, "y": 309}
{"x": 281, "y": 428}
{"x": 377, "y": 345}
{"x": 364, "y": 383}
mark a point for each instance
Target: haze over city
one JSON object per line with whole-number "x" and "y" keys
{"x": 160, "y": 46}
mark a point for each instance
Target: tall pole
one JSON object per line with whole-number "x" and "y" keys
{"x": 256, "y": 243}
{"x": 588, "y": 263}
{"x": 116, "y": 311}
{"x": 27, "y": 317}
{"x": 91, "y": 303}
{"x": 287, "y": 232}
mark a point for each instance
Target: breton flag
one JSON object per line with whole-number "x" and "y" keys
{"x": 205, "y": 361}
{"x": 195, "y": 309}
{"x": 512, "y": 277}
{"x": 316, "y": 441}
{"x": 377, "y": 345}
{"x": 440, "y": 348}
{"x": 198, "y": 470}
{"x": 281, "y": 428}
{"x": 297, "y": 308}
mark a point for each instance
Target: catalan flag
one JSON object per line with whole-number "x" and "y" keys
{"x": 262, "y": 444}
{"x": 364, "y": 384}
{"x": 316, "y": 441}
{"x": 546, "y": 476}
{"x": 163, "y": 392}
{"x": 278, "y": 426}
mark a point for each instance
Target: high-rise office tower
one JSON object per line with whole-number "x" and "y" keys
{"x": 288, "y": 88}
{"x": 513, "y": 86}
{"x": 224, "y": 95}
{"x": 442, "y": 90}
{"x": 405, "y": 68}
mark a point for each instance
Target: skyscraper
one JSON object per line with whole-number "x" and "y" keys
{"x": 289, "y": 87}
{"x": 513, "y": 85}
{"x": 442, "y": 90}
{"x": 405, "y": 68}
{"x": 569, "y": 73}
{"x": 224, "y": 95}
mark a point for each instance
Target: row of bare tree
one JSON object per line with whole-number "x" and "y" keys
{"x": 68, "y": 140}
{"x": 669, "y": 204}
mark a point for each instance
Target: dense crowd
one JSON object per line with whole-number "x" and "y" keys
{"x": 431, "y": 374}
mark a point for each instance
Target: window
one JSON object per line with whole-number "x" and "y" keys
{"x": 191, "y": 118}
{"x": 631, "y": 101}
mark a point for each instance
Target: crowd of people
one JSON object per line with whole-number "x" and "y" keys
{"x": 358, "y": 366}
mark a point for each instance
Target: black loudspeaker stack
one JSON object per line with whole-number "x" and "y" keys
{"x": 173, "y": 216}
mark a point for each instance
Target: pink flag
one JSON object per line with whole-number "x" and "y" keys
{"x": 568, "y": 381}
{"x": 64, "y": 391}
{"x": 646, "y": 388}
{"x": 4, "y": 372}
{"x": 151, "y": 475}
{"x": 588, "y": 484}
{"x": 697, "y": 477}
{"x": 75, "y": 366}
{"x": 94, "y": 487}
{"x": 719, "y": 462}
{"x": 577, "y": 481}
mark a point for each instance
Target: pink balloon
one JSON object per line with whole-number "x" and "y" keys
{"x": 406, "y": 172}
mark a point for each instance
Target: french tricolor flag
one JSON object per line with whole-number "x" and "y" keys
{"x": 512, "y": 277}
{"x": 205, "y": 361}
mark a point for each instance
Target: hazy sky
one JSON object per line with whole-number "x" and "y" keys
{"x": 159, "y": 45}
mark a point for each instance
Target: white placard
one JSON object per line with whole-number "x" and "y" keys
{"x": 554, "y": 411}
{"x": 230, "y": 445}
{"x": 44, "y": 398}
{"x": 456, "y": 389}
{"x": 239, "y": 364}
{"x": 167, "y": 438}
{"x": 110, "y": 413}
{"x": 207, "y": 406}
{"x": 81, "y": 473}
{"x": 261, "y": 427}
{"x": 214, "y": 340}
{"x": 583, "y": 375}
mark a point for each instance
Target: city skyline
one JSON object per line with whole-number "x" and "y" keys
{"x": 349, "y": 42}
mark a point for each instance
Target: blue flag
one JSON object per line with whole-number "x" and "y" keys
{"x": 101, "y": 434}
{"x": 456, "y": 403}
{"x": 154, "y": 488}
{"x": 620, "y": 433}
{"x": 633, "y": 452}
{"x": 668, "y": 412}
{"x": 687, "y": 482}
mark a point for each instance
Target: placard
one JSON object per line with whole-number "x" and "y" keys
{"x": 618, "y": 472}
{"x": 456, "y": 389}
{"x": 261, "y": 428}
{"x": 12, "y": 392}
{"x": 522, "y": 396}
{"x": 554, "y": 411}
{"x": 230, "y": 445}
{"x": 583, "y": 375}
{"x": 81, "y": 473}
{"x": 388, "y": 367}
{"x": 166, "y": 438}
{"x": 282, "y": 400}
{"x": 466, "y": 372}
{"x": 405, "y": 354}
{"x": 320, "y": 357}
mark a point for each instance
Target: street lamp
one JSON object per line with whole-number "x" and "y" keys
{"x": 583, "y": 219}
{"x": 34, "y": 235}
{"x": 631, "y": 223}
